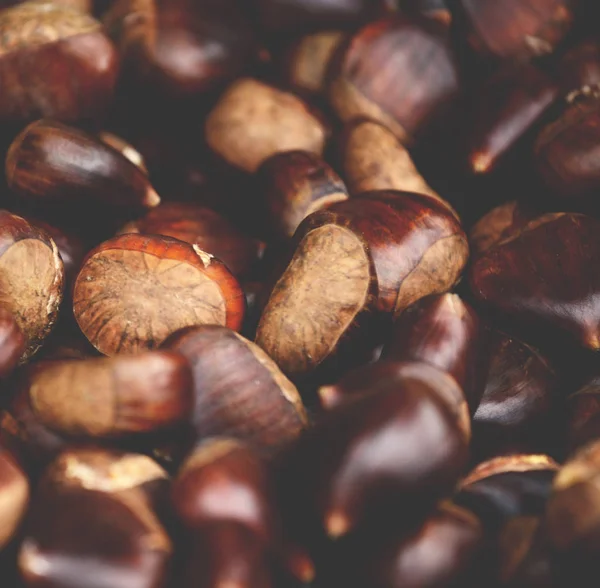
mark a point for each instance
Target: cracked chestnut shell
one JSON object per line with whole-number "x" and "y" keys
{"x": 123, "y": 295}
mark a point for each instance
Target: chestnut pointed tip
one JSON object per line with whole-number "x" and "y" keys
{"x": 337, "y": 525}
{"x": 152, "y": 198}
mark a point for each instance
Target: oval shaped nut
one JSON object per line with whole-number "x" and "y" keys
{"x": 253, "y": 121}
{"x": 123, "y": 296}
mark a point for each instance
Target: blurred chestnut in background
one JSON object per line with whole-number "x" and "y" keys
{"x": 55, "y": 62}
{"x": 14, "y": 493}
{"x": 121, "y": 272}
{"x": 578, "y": 71}
{"x": 382, "y": 76}
{"x": 436, "y": 9}
{"x": 583, "y": 424}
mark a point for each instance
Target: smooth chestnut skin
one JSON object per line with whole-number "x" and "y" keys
{"x": 382, "y": 76}
{"x": 128, "y": 269}
{"x": 223, "y": 481}
{"x": 112, "y": 397}
{"x": 446, "y": 332}
{"x": 296, "y": 184}
{"x": 52, "y": 165}
{"x": 560, "y": 298}
{"x": 31, "y": 279}
{"x": 583, "y": 409}
{"x": 14, "y": 494}
{"x": 12, "y": 342}
{"x": 519, "y": 409}
{"x": 392, "y": 451}
{"x": 55, "y": 61}
{"x": 239, "y": 391}
{"x": 201, "y": 226}
{"x": 124, "y": 148}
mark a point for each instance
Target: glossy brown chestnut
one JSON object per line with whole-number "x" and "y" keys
{"x": 515, "y": 29}
{"x": 31, "y": 279}
{"x": 240, "y": 391}
{"x": 14, "y": 494}
{"x": 382, "y": 76}
{"x": 123, "y": 295}
{"x": 253, "y": 121}
{"x": 505, "y": 109}
{"x": 561, "y": 296}
{"x": 52, "y": 165}
{"x": 12, "y": 342}
{"x": 583, "y": 425}
{"x": 446, "y": 332}
{"x": 55, "y": 61}
{"x": 383, "y": 251}
{"x": 393, "y": 450}
{"x": 124, "y": 148}
{"x": 112, "y": 397}
{"x": 520, "y": 403}
{"x": 296, "y": 184}
{"x": 203, "y": 227}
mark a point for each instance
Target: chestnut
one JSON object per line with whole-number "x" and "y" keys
{"x": 55, "y": 62}
{"x": 204, "y": 228}
{"x": 296, "y": 184}
{"x": 579, "y": 71}
{"x": 253, "y": 121}
{"x": 583, "y": 409}
{"x": 12, "y": 342}
{"x": 14, "y": 493}
{"x": 112, "y": 397}
{"x": 559, "y": 298}
{"x": 31, "y": 279}
{"x": 240, "y": 391}
{"x": 382, "y": 76}
{"x": 446, "y": 332}
{"x": 124, "y": 148}
{"x": 382, "y": 251}
{"x": 123, "y": 295}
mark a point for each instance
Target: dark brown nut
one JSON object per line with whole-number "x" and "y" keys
{"x": 14, "y": 492}
{"x": 508, "y": 105}
{"x": 55, "y": 166}
{"x": 383, "y": 251}
{"x": 112, "y": 397}
{"x": 393, "y": 451}
{"x": 253, "y": 121}
{"x": 223, "y": 481}
{"x": 446, "y": 332}
{"x": 55, "y": 62}
{"x": 519, "y": 407}
{"x": 382, "y": 76}
{"x": 203, "y": 227}
{"x": 567, "y": 155}
{"x": 31, "y": 279}
{"x": 296, "y": 184}
{"x": 124, "y": 148}
{"x": 12, "y": 342}
{"x": 123, "y": 295}
{"x": 240, "y": 391}
{"x": 557, "y": 299}
{"x": 583, "y": 425}
{"x": 515, "y": 29}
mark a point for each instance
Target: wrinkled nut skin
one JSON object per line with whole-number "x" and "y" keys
{"x": 55, "y": 62}
{"x": 53, "y": 165}
{"x": 239, "y": 391}
{"x": 366, "y": 82}
{"x": 31, "y": 279}
{"x": 583, "y": 409}
{"x": 12, "y": 343}
{"x": 559, "y": 297}
{"x": 198, "y": 225}
{"x": 112, "y": 397}
{"x": 223, "y": 481}
{"x": 446, "y": 332}
{"x": 296, "y": 184}
{"x": 125, "y": 270}
{"x": 519, "y": 410}
{"x": 253, "y": 121}
{"x": 14, "y": 493}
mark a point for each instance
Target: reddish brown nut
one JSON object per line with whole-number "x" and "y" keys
{"x": 382, "y": 76}
{"x": 123, "y": 296}
{"x": 124, "y": 148}
{"x": 240, "y": 391}
{"x": 558, "y": 299}
{"x": 14, "y": 494}
{"x": 515, "y": 29}
{"x": 31, "y": 279}
{"x": 519, "y": 408}
{"x": 253, "y": 121}
{"x": 583, "y": 424}
{"x": 223, "y": 481}
{"x": 203, "y": 227}
{"x": 445, "y": 332}
{"x": 55, "y": 166}
{"x": 504, "y": 110}
{"x": 112, "y": 397}
{"x": 296, "y": 184}
{"x": 12, "y": 342}
{"x": 383, "y": 251}
{"x": 55, "y": 61}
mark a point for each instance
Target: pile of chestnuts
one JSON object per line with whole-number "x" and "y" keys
{"x": 300, "y": 294}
